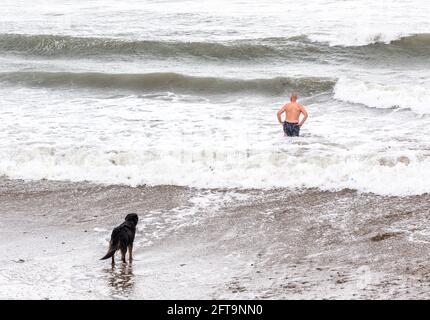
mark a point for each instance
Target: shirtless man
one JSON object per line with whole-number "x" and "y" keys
{"x": 292, "y": 116}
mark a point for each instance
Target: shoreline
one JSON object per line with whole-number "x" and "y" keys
{"x": 211, "y": 244}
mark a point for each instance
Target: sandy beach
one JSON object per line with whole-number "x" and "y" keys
{"x": 240, "y": 245}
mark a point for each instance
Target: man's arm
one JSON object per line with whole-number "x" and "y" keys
{"x": 305, "y": 115}
{"x": 280, "y": 113}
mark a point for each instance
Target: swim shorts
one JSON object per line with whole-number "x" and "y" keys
{"x": 291, "y": 129}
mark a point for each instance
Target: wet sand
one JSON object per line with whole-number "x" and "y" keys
{"x": 212, "y": 244}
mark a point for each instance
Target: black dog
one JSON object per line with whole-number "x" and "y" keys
{"x": 122, "y": 238}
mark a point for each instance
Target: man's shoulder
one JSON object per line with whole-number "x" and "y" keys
{"x": 294, "y": 105}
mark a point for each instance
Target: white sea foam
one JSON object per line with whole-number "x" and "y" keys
{"x": 203, "y": 204}
{"x": 400, "y": 173}
{"x": 382, "y": 95}
{"x": 233, "y": 144}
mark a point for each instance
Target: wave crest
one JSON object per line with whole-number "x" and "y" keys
{"x": 168, "y": 81}
{"x": 383, "y": 96}
{"x": 380, "y": 173}
{"x": 293, "y": 48}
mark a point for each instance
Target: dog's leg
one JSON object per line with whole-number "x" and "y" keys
{"x": 123, "y": 252}
{"x": 130, "y": 252}
{"x": 113, "y": 260}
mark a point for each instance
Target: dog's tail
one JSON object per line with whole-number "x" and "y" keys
{"x": 113, "y": 244}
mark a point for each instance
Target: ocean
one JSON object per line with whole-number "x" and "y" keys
{"x": 168, "y": 108}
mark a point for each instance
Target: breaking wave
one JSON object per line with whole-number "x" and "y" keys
{"x": 292, "y": 48}
{"x": 388, "y": 174}
{"x": 414, "y": 97}
{"x": 167, "y": 81}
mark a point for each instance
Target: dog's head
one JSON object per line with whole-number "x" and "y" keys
{"x": 132, "y": 217}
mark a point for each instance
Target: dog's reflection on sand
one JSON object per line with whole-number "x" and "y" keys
{"x": 121, "y": 278}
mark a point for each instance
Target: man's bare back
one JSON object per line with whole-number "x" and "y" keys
{"x": 292, "y": 121}
{"x": 292, "y": 112}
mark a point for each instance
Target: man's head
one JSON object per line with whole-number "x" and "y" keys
{"x": 293, "y": 97}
